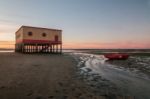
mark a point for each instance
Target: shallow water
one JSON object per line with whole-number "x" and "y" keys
{"x": 8, "y": 51}
{"x": 129, "y": 82}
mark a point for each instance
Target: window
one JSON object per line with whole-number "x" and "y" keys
{"x": 44, "y": 34}
{"x": 30, "y": 33}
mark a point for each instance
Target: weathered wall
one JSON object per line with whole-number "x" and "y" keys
{"x": 19, "y": 35}
{"x": 37, "y": 34}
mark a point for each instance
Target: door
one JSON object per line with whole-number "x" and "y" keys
{"x": 56, "y": 38}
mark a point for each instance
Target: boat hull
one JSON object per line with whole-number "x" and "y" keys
{"x": 117, "y": 56}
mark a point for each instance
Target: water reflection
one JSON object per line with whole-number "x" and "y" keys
{"x": 8, "y": 51}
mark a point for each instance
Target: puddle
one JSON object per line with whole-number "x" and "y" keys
{"x": 130, "y": 82}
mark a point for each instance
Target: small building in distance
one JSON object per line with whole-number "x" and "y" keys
{"x": 35, "y": 39}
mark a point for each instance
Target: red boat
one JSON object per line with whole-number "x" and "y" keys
{"x": 116, "y": 56}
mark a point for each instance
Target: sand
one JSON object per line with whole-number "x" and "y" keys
{"x": 41, "y": 76}
{"x": 46, "y": 76}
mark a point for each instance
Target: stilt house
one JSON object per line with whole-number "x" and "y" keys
{"x": 34, "y": 39}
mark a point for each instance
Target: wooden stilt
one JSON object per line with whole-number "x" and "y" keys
{"x": 48, "y": 48}
{"x": 22, "y": 47}
{"x": 56, "y": 48}
{"x": 42, "y": 48}
{"x": 26, "y": 48}
{"x": 53, "y": 48}
{"x": 31, "y": 48}
{"x": 18, "y": 47}
{"x": 36, "y": 48}
{"x": 60, "y": 48}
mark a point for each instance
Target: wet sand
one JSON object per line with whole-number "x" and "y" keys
{"x": 115, "y": 77}
{"x": 41, "y": 76}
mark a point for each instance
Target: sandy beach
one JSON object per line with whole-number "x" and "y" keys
{"x": 41, "y": 76}
{"x": 72, "y": 75}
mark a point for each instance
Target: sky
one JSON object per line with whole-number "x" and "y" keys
{"x": 85, "y": 23}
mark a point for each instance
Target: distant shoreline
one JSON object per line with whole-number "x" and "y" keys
{"x": 100, "y": 51}
{"x": 5, "y": 49}
{"x": 141, "y": 52}
{"x": 89, "y": 49}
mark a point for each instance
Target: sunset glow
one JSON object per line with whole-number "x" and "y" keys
{"x": 86, "y": 24}
{"x": 116, "y": 45}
